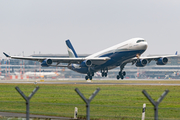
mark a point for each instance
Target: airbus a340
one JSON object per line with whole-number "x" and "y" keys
{"x": 117, "y": 55}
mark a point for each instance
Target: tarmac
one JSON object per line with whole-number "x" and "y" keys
{"x": 21, "y": 115}
{"x": 94, "y": 82}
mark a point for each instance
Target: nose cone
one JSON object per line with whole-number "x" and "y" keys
{"x": 144, "y": 45}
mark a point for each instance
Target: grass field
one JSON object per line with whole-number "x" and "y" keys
{"x": 112, "y": 102}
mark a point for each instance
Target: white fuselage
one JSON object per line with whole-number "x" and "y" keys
{"x": 129, "y": 45}
{"x": 118, "y": 54}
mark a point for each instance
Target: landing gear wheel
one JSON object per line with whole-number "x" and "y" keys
{"x": 124, "y": 73}
{"x": 102, "y": 74}
{"x": 118, "y": 77}
{"x": 86, "y": 77}
{"x": 122, "y": 77}
{"x": 105, "y": 74}
{"x": 90, "y": 77}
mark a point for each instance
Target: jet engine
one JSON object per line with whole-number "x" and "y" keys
{"x": 162, "y": 61}
{"x": 46, "y": 63}
{"x": 86, "y": 63}
{"x": 141, "y": 63}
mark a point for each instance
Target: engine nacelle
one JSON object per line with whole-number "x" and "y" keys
{"x": 46, "y": 63}
{"x": 162, "y": 61}
{"x": 141, "y": 63}
{"x": 86, "y": 63}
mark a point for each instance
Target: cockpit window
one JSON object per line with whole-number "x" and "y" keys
{"x": 140, "y": 41}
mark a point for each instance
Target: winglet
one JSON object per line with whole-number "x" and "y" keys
{"x": 6, "y": 54}
{"x": 176, "y": 53}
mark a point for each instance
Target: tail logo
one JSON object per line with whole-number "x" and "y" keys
{"x": 70, "y": 52}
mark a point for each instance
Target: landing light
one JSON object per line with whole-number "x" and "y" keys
{"x": 137, "y": 55}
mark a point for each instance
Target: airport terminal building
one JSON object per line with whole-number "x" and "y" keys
{"x": 16, "y": 69}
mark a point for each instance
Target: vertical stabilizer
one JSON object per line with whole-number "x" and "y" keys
{"x": 71, "y": 51}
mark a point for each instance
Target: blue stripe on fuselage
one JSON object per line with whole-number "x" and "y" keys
{"x": 116, "y": 59}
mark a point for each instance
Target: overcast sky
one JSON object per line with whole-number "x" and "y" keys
{"x": 35, "y": 26}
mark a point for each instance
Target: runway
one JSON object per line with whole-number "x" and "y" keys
{"x": 96, "y": 82}
{"x": 22, "y": 115}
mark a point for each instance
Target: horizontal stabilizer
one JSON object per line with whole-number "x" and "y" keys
{"x": 6, "y": 54}
{"x": 176, "y": 53}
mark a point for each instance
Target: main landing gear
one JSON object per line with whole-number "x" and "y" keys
{"x": 89, "y": 76}
{"x": 104, "y": 72}
{"x": 121, "y": 73}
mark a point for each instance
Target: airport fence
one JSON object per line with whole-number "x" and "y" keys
{"x": 111, "y": 103}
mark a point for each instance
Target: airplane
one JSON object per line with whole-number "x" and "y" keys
{"x": 40, "y": 74}
{"x": 118, "y": 55}
{"x": 97, "y": 74}
{"x": 1, "y": 77}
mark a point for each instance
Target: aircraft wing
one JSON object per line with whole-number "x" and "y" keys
{"x": 150, "y": 58}
{"x": 156, "y": 57}
{"x": 95, "y": 61}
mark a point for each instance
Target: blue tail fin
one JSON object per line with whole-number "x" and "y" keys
{"x": 71, "y": 51}
{"x": 176, "y": 53}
